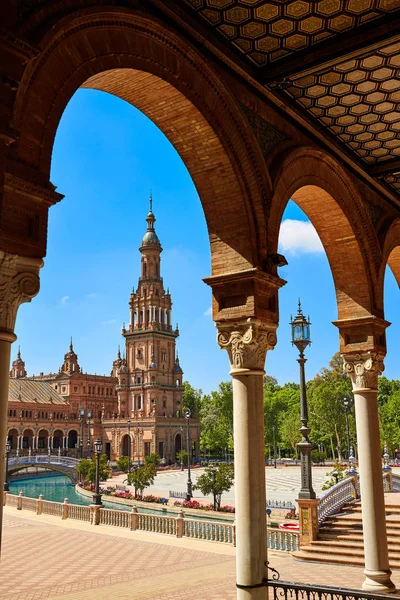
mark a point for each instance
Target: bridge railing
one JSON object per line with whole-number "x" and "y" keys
{"x": 35, "y": 459}
{"x": 178, "y": 526}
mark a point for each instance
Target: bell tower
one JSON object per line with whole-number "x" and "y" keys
{"x": 70, "y": 364}
{"x": 150, "y": 339}
{"x": 18, "y": 366}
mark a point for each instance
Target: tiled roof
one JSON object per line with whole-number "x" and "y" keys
{"x": 40, "y": 392}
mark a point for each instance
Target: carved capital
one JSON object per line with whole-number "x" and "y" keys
{"x": 363, "y": 369}
{"x": 247, "y": 343}
{"x": 19, "y": 282}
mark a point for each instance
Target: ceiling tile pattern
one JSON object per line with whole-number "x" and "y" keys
{"x": 268, "y": 30}
{"x": 393, "y": 181}
{"x": 358, "y": 101}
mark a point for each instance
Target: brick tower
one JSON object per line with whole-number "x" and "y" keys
{"x": 150, "y": 386}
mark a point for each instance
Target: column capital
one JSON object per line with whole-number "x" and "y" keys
{"x": 363, "y": 369}
{"x": 19, "y": 282}
{"x": 247, "y": 343}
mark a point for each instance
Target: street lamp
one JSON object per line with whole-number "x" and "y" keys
{"x": 8, "y": 449}
{"x": 274, "y": 444}
{"x": 98, "y": 446}
{"x": 181, "y": 448}
{"x": 82, "y": 417}
{"x": 347, "y": 403}
{"x": 89, "y": 416}
{"x": 129, "y": 446}
{"x": 301, "y": 339}
{"x": 189, "y": 494}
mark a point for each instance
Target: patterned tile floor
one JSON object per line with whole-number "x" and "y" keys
{"x": 46, "y": 558}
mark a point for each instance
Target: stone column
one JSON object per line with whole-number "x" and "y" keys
{"x": 19, "y": 282}
{"x": 364, "y": 370}
{"x": 247, "y": 343}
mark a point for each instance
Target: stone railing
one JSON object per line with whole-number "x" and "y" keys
{"x": 337, "y": 496}
{"x": 212, "y": 531}
{"x": 209, "y": 530}
{"x": 287, "y": 541}
{"x": 395, "y": 482}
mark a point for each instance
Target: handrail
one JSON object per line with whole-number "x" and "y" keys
{"x": 336, "y": 497}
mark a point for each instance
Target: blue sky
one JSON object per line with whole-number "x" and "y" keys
{"x": 107, "y": 158}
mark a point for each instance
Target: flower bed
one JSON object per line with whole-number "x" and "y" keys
{"x": 195, "y": 504}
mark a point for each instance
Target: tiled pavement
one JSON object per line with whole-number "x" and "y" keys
{"x": 46, "y": 558}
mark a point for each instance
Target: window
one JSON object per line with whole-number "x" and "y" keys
{"x": 63, "y": 388}
{"x": 75, "y": 389}
{"x": 84, "y": 389}
{"x": 139, "y": 402}
{"x": 139, "y": 353}
{"x": 164, "y": 403}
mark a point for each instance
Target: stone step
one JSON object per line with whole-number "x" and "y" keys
{"x": 356, "y": 537}
{"x": 336, "y": 546}
{"x": 321, "y": 554}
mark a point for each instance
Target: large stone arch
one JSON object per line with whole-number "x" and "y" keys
{"x": 138, "y": 59}
{"x": 391, "y": 252}
{"x": 324, "y": 191}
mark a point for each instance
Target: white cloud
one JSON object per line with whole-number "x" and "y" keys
{"x": 208, "y": 312}
{"x": 109, "y": 322}
{"x": 90, "y": 296}
{"x": 299, "y": 237}
{"x": 64, "y": 299}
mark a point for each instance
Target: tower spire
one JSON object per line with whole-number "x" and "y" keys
{"x": 71, "y": 349}
{"x": 151, "y": 202}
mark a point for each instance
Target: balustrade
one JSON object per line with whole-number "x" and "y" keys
{"x": 337, "y": 496}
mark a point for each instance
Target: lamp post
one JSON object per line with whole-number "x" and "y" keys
{"x": 82, "y": 417}
{"x": 214, "y": 475}
{"x": 189, "y": 493}
{"x": 89, "y": 416}
{"x": 98, "y": 446}
{"x": 347, "y": 403}
{"x": 301, "y": 339}
{"x": 181, "y": 448}
{"x": 8, "y": 449}
{"x": 274, "y": 444}
{"x": 129, "y": 446}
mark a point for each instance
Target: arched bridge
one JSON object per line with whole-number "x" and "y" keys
{"x": 60, "y": 464}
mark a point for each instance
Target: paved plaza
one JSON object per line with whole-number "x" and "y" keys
{"x": 282, "y": 483}
{"x": 46, "y": 558}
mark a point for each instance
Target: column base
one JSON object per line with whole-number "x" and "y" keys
{"x": 378, "y": 581}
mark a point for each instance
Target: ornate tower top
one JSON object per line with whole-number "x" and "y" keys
{"x": 71, "y": 364}
{"x": 18, "y": 366}
{"x": 150, "y": 239}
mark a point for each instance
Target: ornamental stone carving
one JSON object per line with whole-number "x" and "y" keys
{"x": 364, "y": 370}
{"x": 247, "y": 343}
{"x": 19, "y": 282}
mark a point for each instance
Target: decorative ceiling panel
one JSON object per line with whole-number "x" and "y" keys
{"x": 357, "y": 100}
{"x": 266, "y": 31}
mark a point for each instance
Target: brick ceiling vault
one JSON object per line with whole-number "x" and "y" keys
{"x": 336, "y": 61}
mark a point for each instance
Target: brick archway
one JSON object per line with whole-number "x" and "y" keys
{"x": 137, "y": 59}
{"x": 325, "y": 193}
{"x": 391, "y": 252}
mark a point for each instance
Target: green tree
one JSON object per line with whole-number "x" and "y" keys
{"x": 389, "y": 416}
{"x": 216, "y": 419}
{"x": 192, "y": 399}
{"x": 152, "y": 459}
{"x": 142, "y": 477}
{"x": 215, "y": 482}
{"x": 122, "y": 463}
{"x": 182, "y": 457}
{"x": 87, "y": 469}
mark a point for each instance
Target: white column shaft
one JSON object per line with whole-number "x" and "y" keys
{"x": 250, "y": 497}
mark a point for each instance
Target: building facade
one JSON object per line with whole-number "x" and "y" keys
{"x": 136, "y": 410}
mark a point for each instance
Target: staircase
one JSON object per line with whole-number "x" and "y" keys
{"x": 340, "y": 538}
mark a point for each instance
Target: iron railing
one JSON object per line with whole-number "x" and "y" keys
{"x": 286, "y": 590}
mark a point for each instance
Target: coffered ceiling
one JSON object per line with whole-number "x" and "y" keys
{"x": 336, "y": 62}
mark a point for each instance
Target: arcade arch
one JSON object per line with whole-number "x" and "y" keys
{"x": 137, "y": 59}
